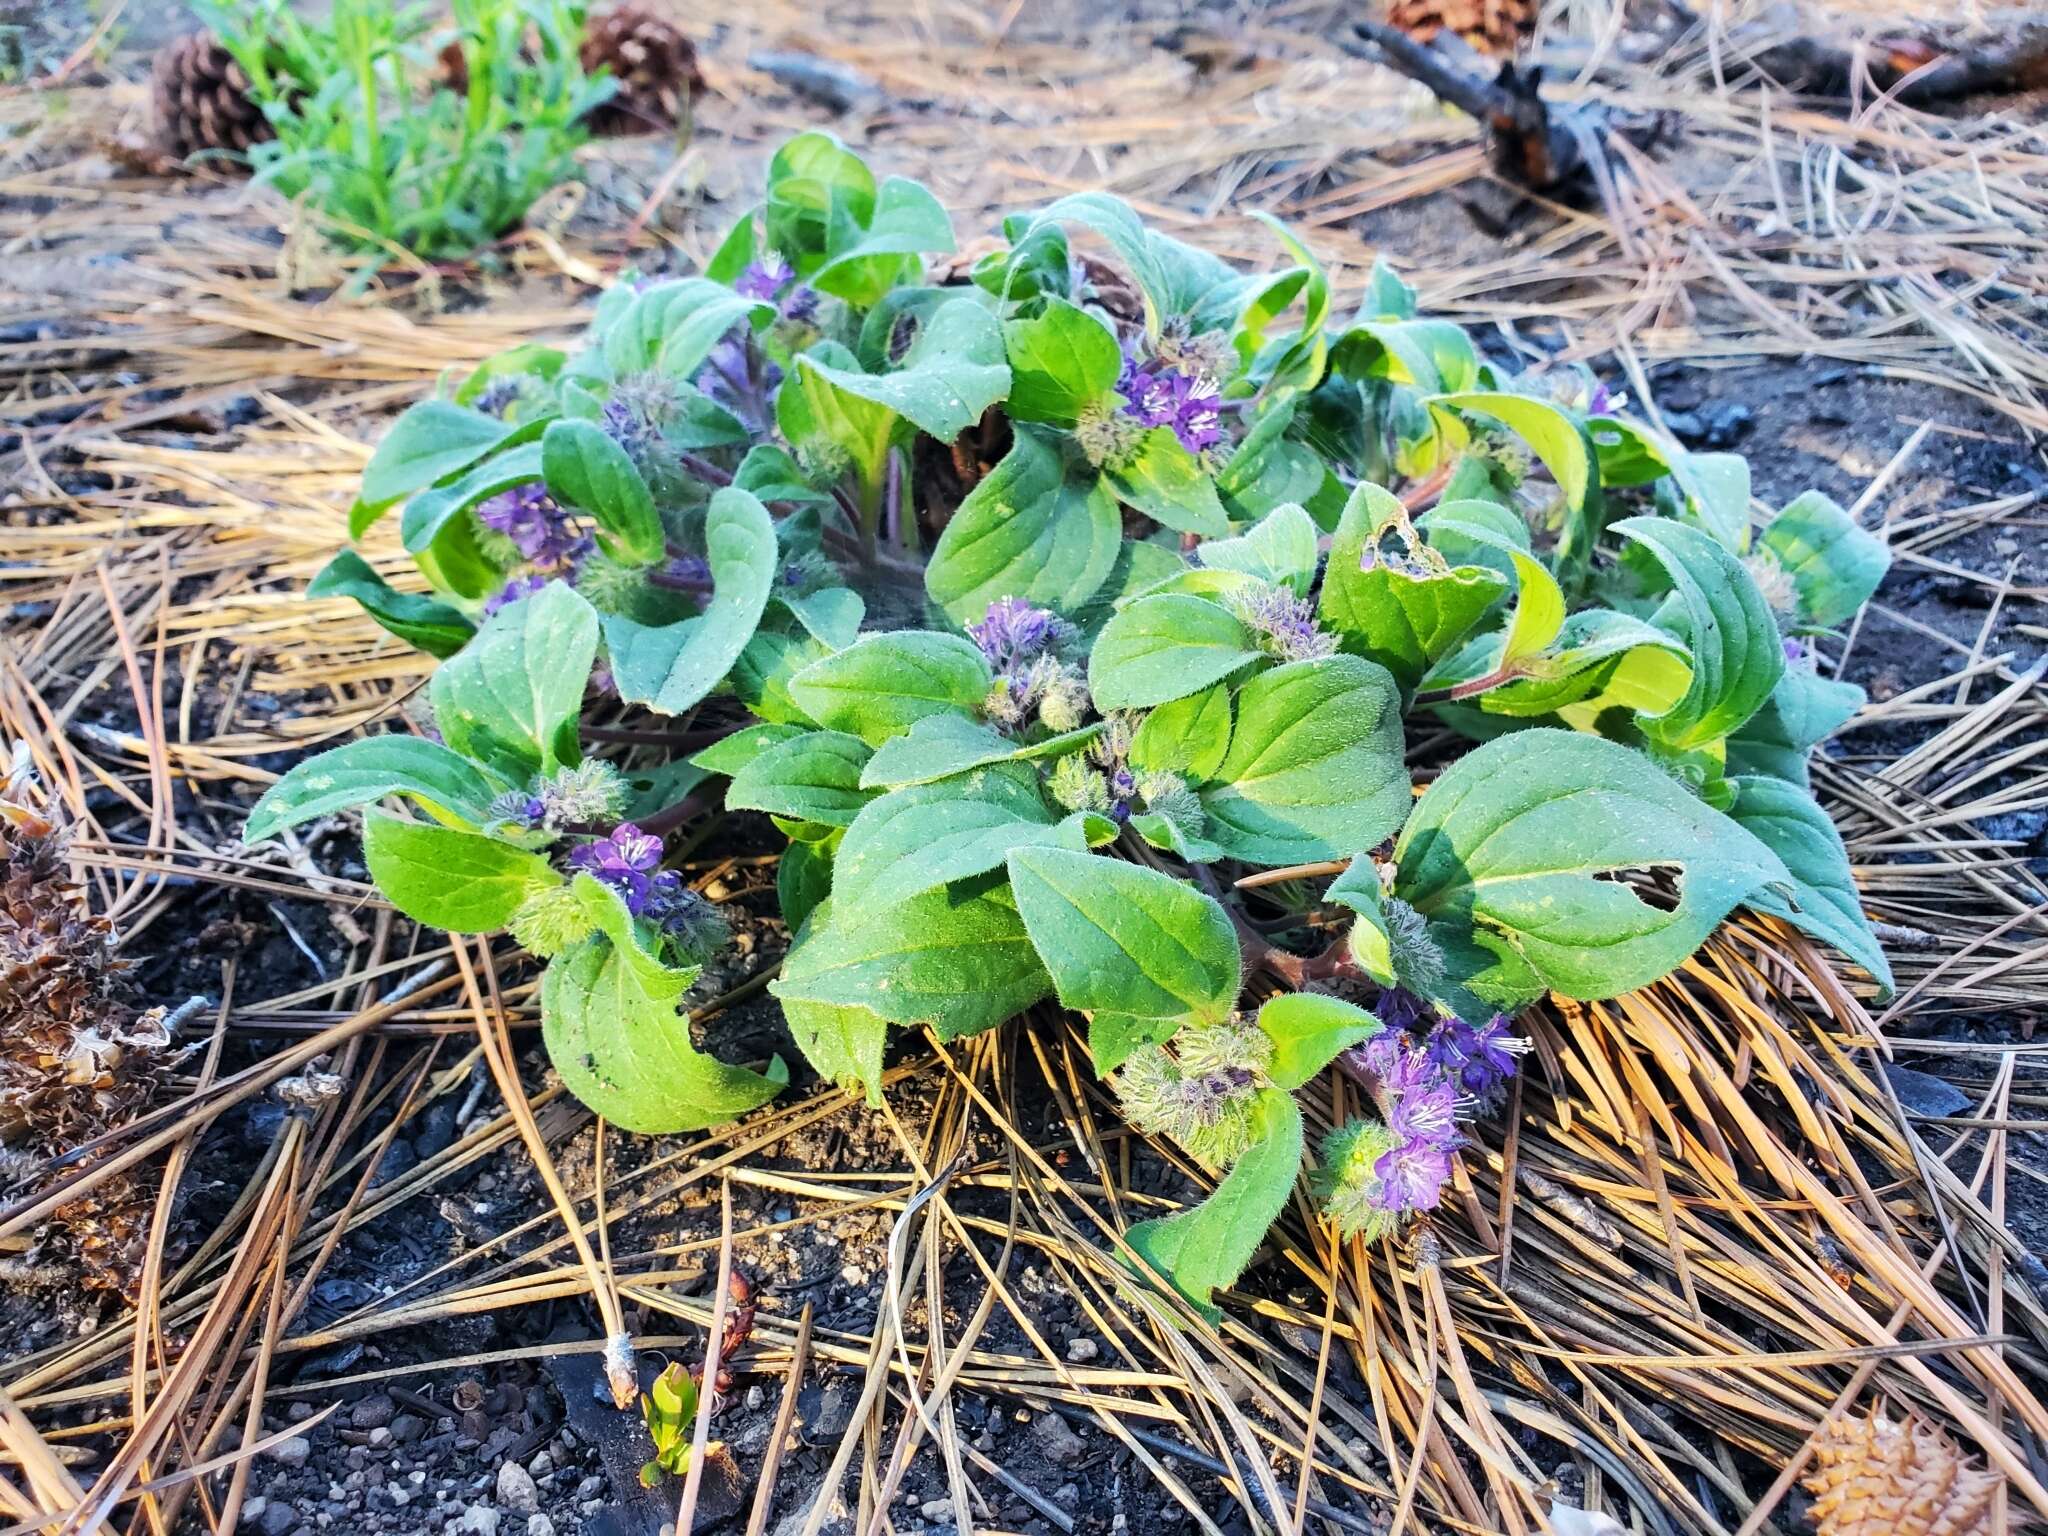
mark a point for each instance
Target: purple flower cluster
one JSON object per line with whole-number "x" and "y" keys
{"x": 1480, "y": 1059}
{"x": 1190, "y": 403}
{"x": 629, "y": 861}
{"x": 1420, "y": 1105}
{"x": 773, "y": 281}
{"x": 1013, "y": 633}
{"x": 540, "y": 530}
{"x": 1284, "y": 624}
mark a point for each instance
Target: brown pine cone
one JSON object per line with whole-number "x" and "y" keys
{"x": 653, "y": 67}
{"x": 1873, "y": 1477}
{"x": 201, "y": 99}
{"x": 1498, "y": 28}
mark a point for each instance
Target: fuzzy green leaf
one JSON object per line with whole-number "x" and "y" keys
{"x": 1802, "y": 711}
{"x": 1185, "y": 736}
{"x": 1165, "y": 647}
{"x": 911, "y": 840}
{"x": 843, "y": 1042}
{"x": 1824, "y": 902}
{"x": 1834, "y": 564}
{"x": 431, "y": 440}
{"x": 1209, "y": 1246}
{"x": 1516, "y": 855}
{"x": 671, "y": 667}
{"x": 814, "y": 777}
{"x": 512, "y": 698}
{"x": 460, "y": 882}
{"x": 1314, "y": 769}
{"x": 882, "y": 684}
{"x": 361, "y": 772}
{"x": 940, "y": 746}
{"x": 609, "y": 1016}
{"x": 427, "y": 513}
{"x": 1279, "y": 549}
{"x": 960, "y": 963}
{"x": 1737, "y": 655}
{"x": 1034, "y": 527}
{"x": 1307, "y": 1031}
{"x": 1061, "y": 360}
{"x": 427, "y": 623}
{"x": 585, "y": 469}
{"x": 1166, "y": 483}
{"x": 1126, "y": 939}
{"x": 952, "y": 373}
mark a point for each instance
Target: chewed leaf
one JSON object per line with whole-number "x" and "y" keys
{"x": 609, "y": 1015}
{"x": 1521, "y": 857}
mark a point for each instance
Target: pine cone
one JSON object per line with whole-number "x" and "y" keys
{"x": 201, "y": 99}
{"x": 1872, "y": 1477}
{"x": 653, "y": 68}
{"x": 1498, "y": 28}
{"x": 76, "y": 1059}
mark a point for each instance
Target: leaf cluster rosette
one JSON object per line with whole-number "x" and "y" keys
{"x": 1175, "y": 636}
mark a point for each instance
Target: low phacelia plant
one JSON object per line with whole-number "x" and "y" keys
{"x": 1194, "y": 555}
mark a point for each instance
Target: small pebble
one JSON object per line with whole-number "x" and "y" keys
{"x": 539, "y": 1525}
{"x": 1081, "y": 1351}
{"x": 515, "y": 1487}
{"x": 938, "y": 1511}
{"x": 479, "y": 1520}
{"x": 292, "y": 1452}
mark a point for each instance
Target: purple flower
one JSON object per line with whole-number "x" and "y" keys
{"x": 1400, "y": 1009}
{"x": 764, "y": 279}
{"x": 1188, "y": 403}
{"x": 1413, "y": 1174}
{"x": 498, "y": 396}
{"x": 1013, "y": 632}
{"x": 539, "y": 529}
{"x": 1600, "y": 402}
{"x": 626, "y": 861}
{"x": 516, "y": 806}
{"x": 1481, "y": 1061}
{"x": 513, "y": 590}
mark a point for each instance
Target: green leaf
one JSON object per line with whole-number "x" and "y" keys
{"x": 940, "y": 746}
{"x": 1061, "y": 360}
{"x": 1716, "y": 487}
{"x": 1280, "y": 549}
{"x": 1551, "y": 433}
{"x": 430, "y": 440}
{"x": 1185, "y": 736}
{"x": 461, "y": 882}
{"x": 813, "y": 777}
{"x": 843, "y": 1042}
{"x": 671, "y": 667}
{"x": 1112, "y": 219}
{"x": 512, "y": 699}
{"x": 803, "y": 879}
{"x": 1314, "y": 769}
{"x": 609, "y": 1016}
{"x": 427, "y": 513}
{"x": 1163, "y": 648}
{"x": 1371, "y": 942}
{"x": 1515, "y": 856}
{"x": 1307, "y": 1031}
{"x": 360, "y": 772}
{"x": 831, "y": 615}
{"x": 1834, "y": 564}
{"x": 907, "y": 220}
{"x": 1033, "y": 527}
{"x": 1112, "y": 1037}
{"x": 1404, "y": 616}
{"x": 734, "y": 752}
{"x": 1802, "y": 711}
{"x": 1538, "y": 614}
{"x": 771, "y": 474}
{"x": 672, "y": 326}
{"x": 585, "y": 469}
{"x": 881, "y": 685}
{"x": 1824, "y": 901}
{"x": 1209, "y": 1246}
{"x": 818, "y": 191}
{"x": 1126, "y": 939}
{"x": 912, "y": 840}
{"x": 760, "y": 678}
{"x": 1427, "y": 355}
{"x": 1737, "y": 655}
{"x": 427, "y": 623}
{"x": 1168, "y": 484}
{"x": 953, "y": 372}
{"x": 1604, "y": 658}
{"x": 960, "y": 963}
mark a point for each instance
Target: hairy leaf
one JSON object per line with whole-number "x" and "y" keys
{"x": 1834, "y": 564}
{"x": 461, "y": 882}
{"x": 814, "y": 777}
{"x": 883, "y": 684}
{"x": 1307, "y": 1031}
{"x": 1824, "y": 902}
{"x": 438, "y": 628}
{"x": 1163, "y": 648}
{"x": 512, "y": 698}
{"x": 361, "y": 772}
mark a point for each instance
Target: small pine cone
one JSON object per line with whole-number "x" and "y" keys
{"x": 201, "y": 99}
{"x": 653, "y": 69}
{"x": 1874, "y": 1477}
{"x": 103, "y": 1237}
{"x": 1498, "y": 28}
